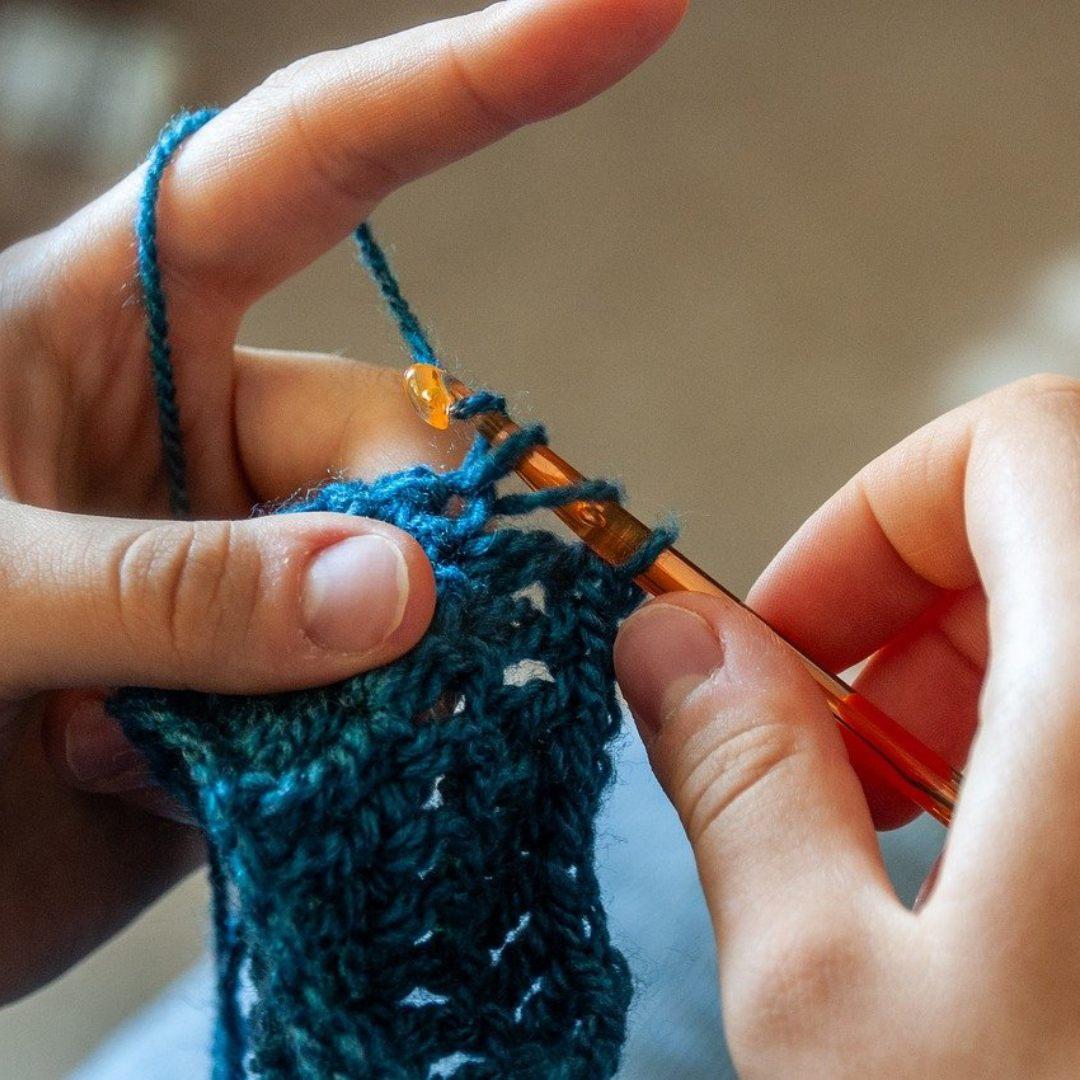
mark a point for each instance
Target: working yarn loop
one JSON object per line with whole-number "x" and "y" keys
{"x": 402, "y": 863}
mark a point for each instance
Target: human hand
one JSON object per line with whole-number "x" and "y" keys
{"x": 219, "y": 604}
{"x": 953, "y": 561}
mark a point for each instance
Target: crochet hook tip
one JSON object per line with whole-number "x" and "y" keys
{"x": 433, "y": 393}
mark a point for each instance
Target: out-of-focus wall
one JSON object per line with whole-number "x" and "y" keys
{"x": 795, "y": 235}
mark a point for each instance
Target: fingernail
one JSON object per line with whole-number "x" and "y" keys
{"x": 97, "y": 753}
{"x": 355, "y": 593}
{"x": 662, "y": 654}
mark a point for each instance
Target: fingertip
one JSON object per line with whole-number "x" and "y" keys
{"x": 567, "y": 51}
{"x": 421, "y": 586}
{"x": 656, "y": 20}
{"x": 929, "y": 680}
{"x": 88, "y": 752}
{"x": 685, "y": 658}
{"x": 663, "y": 653}
{"x": 643, "y": 24}
{"x": 752, "y": 651}
{"x": 367, "y": 595}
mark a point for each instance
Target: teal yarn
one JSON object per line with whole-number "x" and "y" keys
{"x": 412, "y": 333}
{"x": 402, "y": 863}
{"x": 157, "y": 321}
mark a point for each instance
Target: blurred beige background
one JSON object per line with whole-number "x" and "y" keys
{"x": 798, "y": 233}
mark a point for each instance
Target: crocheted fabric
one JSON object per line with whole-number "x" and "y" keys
{"x": 402, "y": 863}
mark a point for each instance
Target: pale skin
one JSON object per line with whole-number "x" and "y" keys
{"x": 954, "y": 562}
{"x": 823, "y": 972}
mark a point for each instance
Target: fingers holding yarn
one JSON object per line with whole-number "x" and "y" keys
{"x": 301, "y": 418}
{"x": 272, "y": 182}
{"x": 286, "y": 172}
{"x": 275, "y": 603}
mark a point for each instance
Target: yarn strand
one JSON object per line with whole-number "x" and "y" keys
{"x": 378, "y": 266}
{"x": 153, "y": 294}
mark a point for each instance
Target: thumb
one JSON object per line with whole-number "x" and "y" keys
{"x": 746, "y": 749}
{"x": 268, "y": 604}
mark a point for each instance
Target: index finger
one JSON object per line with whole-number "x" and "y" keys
{"x": 879, "y": 553}
{"x": 879, "y": 564}
{"x": 286, "y": 172}
{"x": 986, "y": 495}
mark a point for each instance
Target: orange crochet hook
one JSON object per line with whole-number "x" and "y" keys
{"x": 875, "y": 742}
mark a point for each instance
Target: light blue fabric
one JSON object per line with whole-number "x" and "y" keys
{"x": 656, "y": 915}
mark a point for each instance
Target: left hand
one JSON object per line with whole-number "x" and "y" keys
{"x": 256, "y": 195}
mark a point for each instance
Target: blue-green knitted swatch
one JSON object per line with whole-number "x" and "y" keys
{"x": 402, "y": 863}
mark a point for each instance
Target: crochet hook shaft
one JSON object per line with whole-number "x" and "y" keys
{"x": 877, "y": 743}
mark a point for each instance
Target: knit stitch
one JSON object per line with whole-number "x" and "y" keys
{"x": 402, "y": 863}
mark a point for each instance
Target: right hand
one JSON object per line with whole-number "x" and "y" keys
{"x": 954, "y": 562}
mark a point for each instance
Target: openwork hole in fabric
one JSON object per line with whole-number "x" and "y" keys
{"x": 522, "y": 671}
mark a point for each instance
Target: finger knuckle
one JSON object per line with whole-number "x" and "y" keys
{"x": 14, "y": 295}
{"x": 731, "y": 757}
{"x": 496, "y": 117}
{"x": 28, "y": 277}
{"x": 342, "y": 163}
{"x": 170, "y": 585}
{"x": 294, "y": 72}
{"x": 797, "y": 979}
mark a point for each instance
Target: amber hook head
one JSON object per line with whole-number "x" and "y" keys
{"x": 433, "y": 392}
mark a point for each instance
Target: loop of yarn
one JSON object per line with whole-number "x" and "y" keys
{"x": 402, "y": 863}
